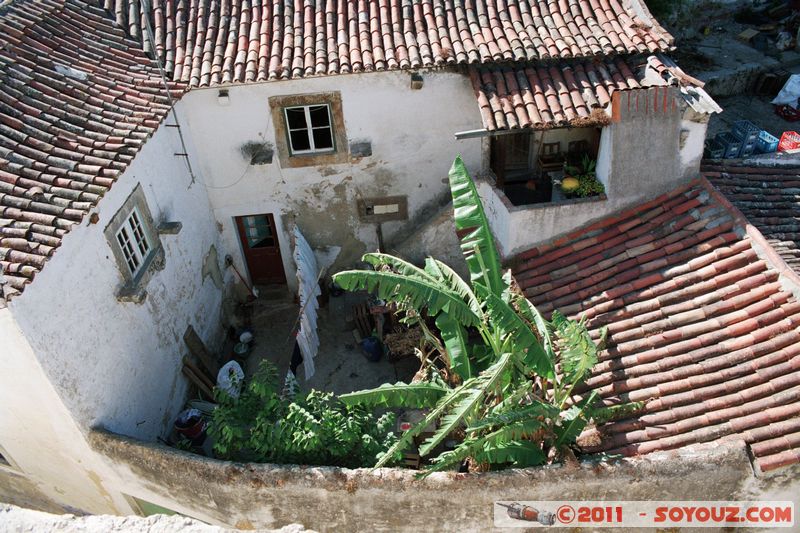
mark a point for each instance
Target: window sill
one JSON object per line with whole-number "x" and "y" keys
{"x": 132, "y": 294}
{"x": 135, "y": 290}
{"x": 169, "y": 228}
{"x": 316, "y": 159}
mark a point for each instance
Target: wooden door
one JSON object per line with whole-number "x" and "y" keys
{"x": 261, "y": 249}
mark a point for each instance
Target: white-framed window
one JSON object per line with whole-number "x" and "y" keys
{"x": 309, "y": 128}
{"x": 133, "y": 242}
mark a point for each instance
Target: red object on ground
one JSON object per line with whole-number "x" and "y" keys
{"x": 790, "y": 140}
{"x": 787, "y": 112}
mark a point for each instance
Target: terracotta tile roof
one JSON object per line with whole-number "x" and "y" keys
{"x": 572, "y": 92}
{"x": 78, "y": 98}
{"x": 701, "y": 328}
{"x": 769, "y": 197}
{"x": 236, "y": 41}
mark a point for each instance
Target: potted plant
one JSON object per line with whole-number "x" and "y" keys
{"x": 580, "y": 181}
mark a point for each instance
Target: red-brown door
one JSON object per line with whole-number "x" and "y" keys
{"x": 261, "y": 249}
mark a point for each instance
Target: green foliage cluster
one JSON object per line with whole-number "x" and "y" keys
{"x": 497, "y": 395}
{"x": 262, "y": 425}
{"x": 585, "y": 173}
{"x": 493, "y": 392}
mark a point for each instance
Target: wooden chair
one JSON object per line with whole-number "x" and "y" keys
{"x": 550, "y": 157}
{"x": 576, "y": 150}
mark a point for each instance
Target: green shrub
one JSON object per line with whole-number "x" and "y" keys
{"x": 318, "y": 429}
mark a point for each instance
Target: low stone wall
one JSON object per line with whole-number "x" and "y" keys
{"x": 336, "y": 499}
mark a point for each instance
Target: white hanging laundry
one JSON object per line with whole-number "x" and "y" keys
{"x": 308, "y": 290}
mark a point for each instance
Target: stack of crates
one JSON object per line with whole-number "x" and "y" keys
{"x": 714, "y": 149}
{"x": 731, "y": 145}
{"x": 747, "y": 134}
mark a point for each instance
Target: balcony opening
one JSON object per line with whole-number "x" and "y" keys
{"x": 530, "y": 166}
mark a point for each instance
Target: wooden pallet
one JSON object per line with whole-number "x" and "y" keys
{"x": 203, "y": 376}
{"x": 363, "y": 319}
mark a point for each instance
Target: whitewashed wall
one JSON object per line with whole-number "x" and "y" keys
{"x": 413, "y": 146}
{"x": 118, "y": 364}
{"x": 48, "y": 451}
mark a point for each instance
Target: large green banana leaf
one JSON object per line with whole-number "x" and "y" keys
{"x": 411, "y": 395}
{"x": 475, "y": 392}
{"x": 455, "y": 340}
{"x": 417, "y": 292}
{"x": 478, "y": 245}
{"x": 513, "y": 327}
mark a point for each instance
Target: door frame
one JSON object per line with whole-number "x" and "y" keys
{"x": 238, "y": 226}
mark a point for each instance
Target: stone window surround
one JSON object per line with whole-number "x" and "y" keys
{"x": 334, "y": 100}
{"x": 133, "y": 287}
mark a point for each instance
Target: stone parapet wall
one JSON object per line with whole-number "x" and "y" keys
{"x": 336, "y": 499}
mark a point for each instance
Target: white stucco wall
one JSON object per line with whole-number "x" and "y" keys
{"x": 118, "y": 364}
{"x": 40, "y": 438}
{"x": 413, "y": 146}
{"x": 693, "y": 136}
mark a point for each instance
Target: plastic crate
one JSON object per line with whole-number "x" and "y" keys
{"x": 747, "y": 150}
{"x": 745, "y": 131}
{"x": 714, "y": 149}
{"x": 790, "y": 140}
{"x": 766, "y": 143}
{"x": 731, "y": 144}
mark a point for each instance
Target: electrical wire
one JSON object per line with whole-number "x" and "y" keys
{"x": 152, "y": 39}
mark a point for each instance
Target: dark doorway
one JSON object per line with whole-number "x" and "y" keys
{"x": 261, "y": 249}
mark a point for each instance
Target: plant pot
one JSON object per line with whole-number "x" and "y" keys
{"x": 372, "y": 349}
{"x": 190, "y": 424}
{"x": 241, "y": 350}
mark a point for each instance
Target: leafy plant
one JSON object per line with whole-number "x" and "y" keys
{"x": 264, "y": 425}
{"x": 496, "y": 392}
{"x": 184, "y": 444}
{"x": 585, "y": 173}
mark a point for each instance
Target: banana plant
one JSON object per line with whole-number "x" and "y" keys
{"x": 505, "y": 403}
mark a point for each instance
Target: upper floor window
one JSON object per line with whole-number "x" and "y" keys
{"x": 133, "y": 242}
{"x": 310, "y": 129}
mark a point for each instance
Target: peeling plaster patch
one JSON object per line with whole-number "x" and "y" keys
{"x": 211, "y": 267}
{"x": 326, "y": 255}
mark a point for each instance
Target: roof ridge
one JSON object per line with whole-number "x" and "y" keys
{"x": 239, "y": 41}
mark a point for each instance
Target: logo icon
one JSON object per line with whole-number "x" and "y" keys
{"x": 517, "y": 511}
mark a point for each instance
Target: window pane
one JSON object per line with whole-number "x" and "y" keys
{"x": 131, "y": 259}
{"x": 299, "y": 140}
{"x": 323, "y": 139}
{"x": 319, "y": 115}
{"x": 138, "y": 234}
{"x": 296, "y": 118}
{"x": 263, "y": 243}
{"x": 258, "y": 231}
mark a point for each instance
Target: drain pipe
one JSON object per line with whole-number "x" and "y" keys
{"x": 229, "y": 263}
{"x": 379, "y": 231}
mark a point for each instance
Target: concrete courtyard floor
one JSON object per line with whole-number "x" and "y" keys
{"x": 340, "y": 366}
